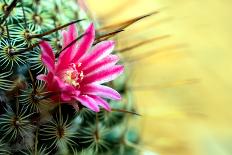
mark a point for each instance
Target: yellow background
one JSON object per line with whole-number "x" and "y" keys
{"x": 183, "y": 88}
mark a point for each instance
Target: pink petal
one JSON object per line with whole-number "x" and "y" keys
{"x": 100, "y": 90}
{"x": 72, "y": 34}
{"x": 106, "y": 63}
{"x": 67, "y": 55}
{"x": 49, "y": 78}
{"x": 102, "y": 103}
{"x": 85, "y": 43}
{"x": 104, "y": 75}
{"x": 54, "y": 85}
{"x": 65, "y": 97}
{"x": 100, "y": 51}
{"x": 68, "y": 91}
{"x": 88, "y": 102}
{"x": 50, "y": 65}
{"x": 65, "y": 38}
{"x": 57, "y": 84}
{"x": 47, "y": 56}
{"x": 47, "y": 50}
{"x": 76, "y": 93}
{"x": 64, "y": 90}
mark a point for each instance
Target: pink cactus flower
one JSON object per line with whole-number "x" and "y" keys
{"x": 81, "y": 69}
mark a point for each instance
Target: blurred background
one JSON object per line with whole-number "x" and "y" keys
{"x": 181, "y": 81}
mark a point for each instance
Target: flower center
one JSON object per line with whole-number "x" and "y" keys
{"x": 73, "y": 75}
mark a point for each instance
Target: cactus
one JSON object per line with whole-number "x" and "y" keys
{"x": 30, "y": 122}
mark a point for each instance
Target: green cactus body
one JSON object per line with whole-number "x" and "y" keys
{"x": 29, "y": 123}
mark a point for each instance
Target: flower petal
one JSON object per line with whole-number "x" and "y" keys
{"x": 65, "y": 39}
{"x": 105, "y": 75}
{"x": 47, "y": 50}
{"x": 50, "y": 65}
{"x": 100, "y": 51}
{"x": 47, "y": 56}
{"x": 67, "y": 55}
{"x": 71, "y": 35}
{"x": 85, "y": 43}
{"x": 68, "y": 92}
{"x": 106, "y": 63}
{"x": 88, "y": 102}
{"x": 57, "y": 84}
{"x": 65, "y": 97}
{"x": 101, "y": 102}
{"x": 100, "y": 90}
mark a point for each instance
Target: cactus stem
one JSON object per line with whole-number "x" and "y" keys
{"x": 12, "y": 53}
{"x": 36, "y": 141}
{"x": 60, "y": 129}
{"x": 125, "y": 130}
{"x": 142, "y": 43}
{"x": 8, "y": 10}
{"x": 56, "y": 7}
{"x": 8, "y": 37}
{"x": 2, "y": 30}
{"x": 97, "y": 132}
{"x": 54, "y": 30}
{"x": 33, "y": 82}
{"x": 24, "y": 15}
{"x": 45, "y": 95}
{"x": 55, "y": 25}
{"x": 35, "y": 9}
{"x": 17, "y": 105}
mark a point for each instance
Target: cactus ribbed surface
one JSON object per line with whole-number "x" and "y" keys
{"x": 30, "y": 123}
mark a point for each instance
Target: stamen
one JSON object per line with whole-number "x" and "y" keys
{"x": 82, "y": 75}
{"x": 73, "y": 75}
{"x": 79, "y": 64}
